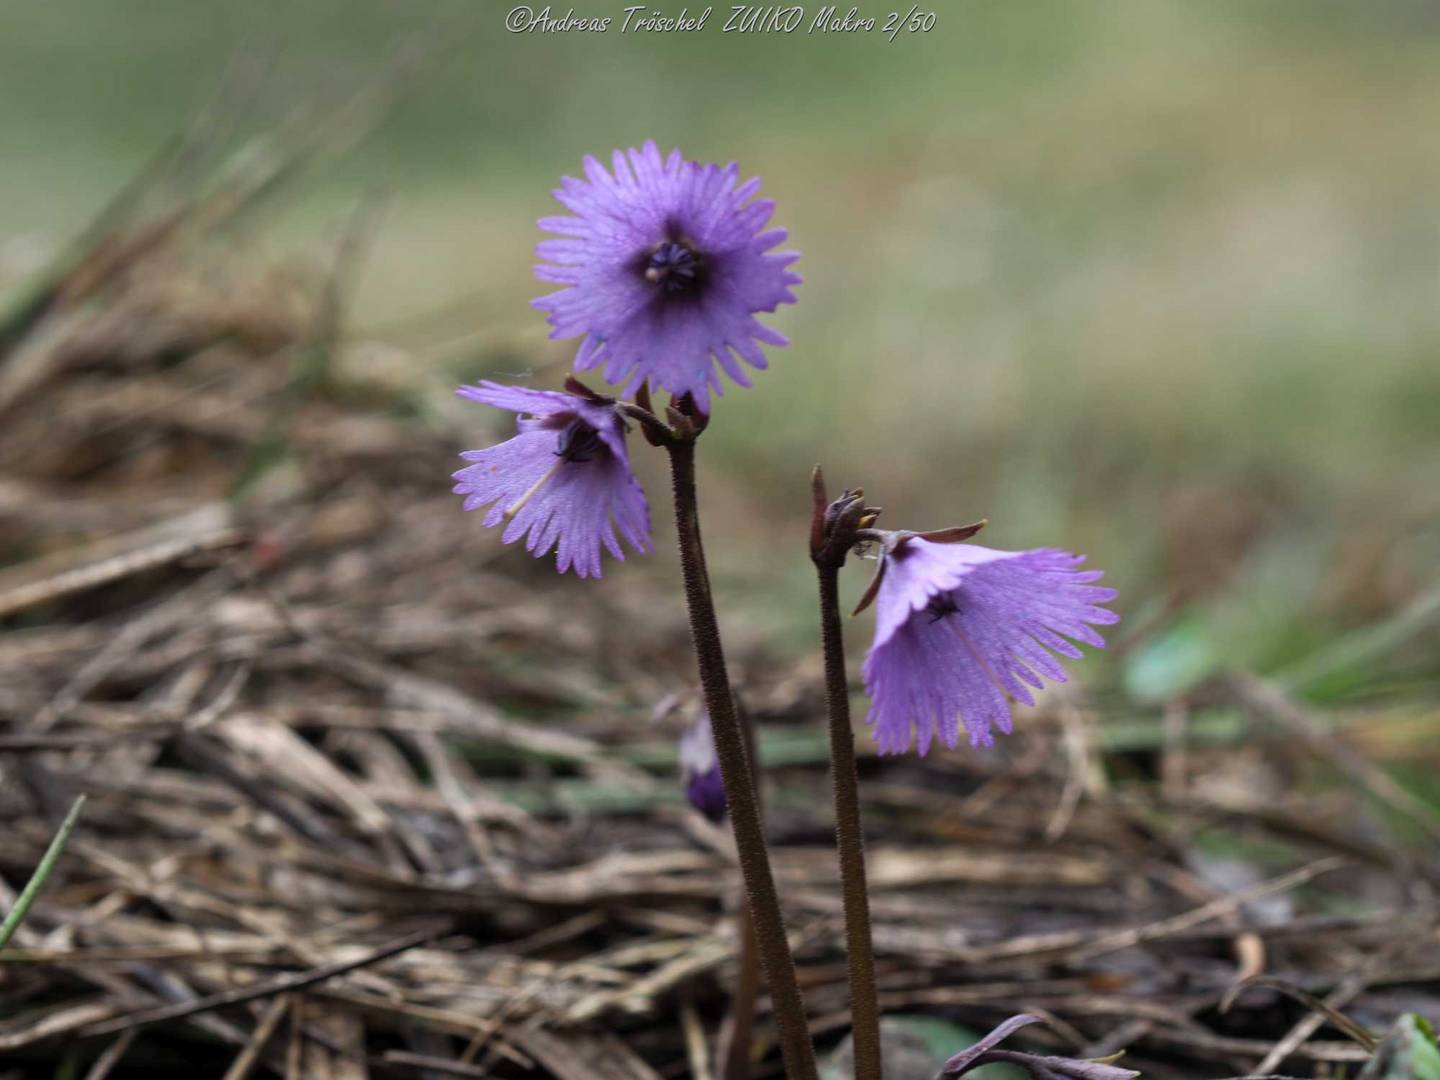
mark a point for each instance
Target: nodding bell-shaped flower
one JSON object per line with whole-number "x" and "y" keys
{"x": 962, "y": 629}
{"x": 563, "y": 481}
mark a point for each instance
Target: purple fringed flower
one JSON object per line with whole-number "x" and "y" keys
{"x": 959, "y": 627}
{"x": 665, "y": 264}
{"x": 565, "y": 479}
{"x": 700, "y": 769}
{"x": 987, "y": 1051}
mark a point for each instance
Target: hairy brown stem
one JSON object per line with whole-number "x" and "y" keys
{"x": 764, "y": 902}
{"x": 849, "y": 835}
{"x": 734, "y": 1044}
{"x": 737, "y": 1034}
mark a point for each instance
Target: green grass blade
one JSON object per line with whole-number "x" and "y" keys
{"x": 42, "y": 872}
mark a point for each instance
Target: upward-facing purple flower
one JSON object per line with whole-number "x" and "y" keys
{"x": 564, "y": 480}
{"x": 665, "y": 264}
{"x": 959, "y": 627}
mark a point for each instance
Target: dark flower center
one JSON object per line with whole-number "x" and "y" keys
{"x": 941, "y": 605}
{"x": 674, "y": 266}
{"x": 578, "y": 441}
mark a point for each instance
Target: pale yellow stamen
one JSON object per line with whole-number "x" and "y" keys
{"x": 519, "y": 503}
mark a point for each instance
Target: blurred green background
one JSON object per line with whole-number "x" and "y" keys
{"x": 1157, "y": 281}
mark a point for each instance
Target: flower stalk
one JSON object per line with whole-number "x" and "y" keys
{"x": 732, "y": 1046}
{"x": 832, "y": 535}
{"x": 735, "y": 765}
{"x": 705, "y": 791}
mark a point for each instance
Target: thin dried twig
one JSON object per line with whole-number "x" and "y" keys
{"x": 282, "y": 985}
{"x": 249, "y": 1057}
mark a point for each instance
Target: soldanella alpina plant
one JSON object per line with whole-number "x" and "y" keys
{"x": 664, "y": 265}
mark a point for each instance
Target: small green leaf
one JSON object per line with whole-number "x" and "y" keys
{"x": 1172, "y": 662}
{"x": 1409, "y": 1052}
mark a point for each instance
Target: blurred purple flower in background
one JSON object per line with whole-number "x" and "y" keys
{"x": 565, "y": 479}
{"x": 959, "y": 627}
{"x": 665, "y": 266}
{"x": 700, "y": 769}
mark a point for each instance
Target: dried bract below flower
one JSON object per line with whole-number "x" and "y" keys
{"x": 700, "y": 769}
{"x": 1037, "y": 1066}
{"x": 961, "y": 629}
{"x": 564, "y": 480}
{"x": 665, "y": 266}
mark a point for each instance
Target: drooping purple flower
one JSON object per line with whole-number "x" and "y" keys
{"x": 563, "y": 482}
{"x": 700, "y": 769}
{"x": 987, "y": 1051}
{"x": 665, "y": 263}
{"x": 960, "y": 629}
